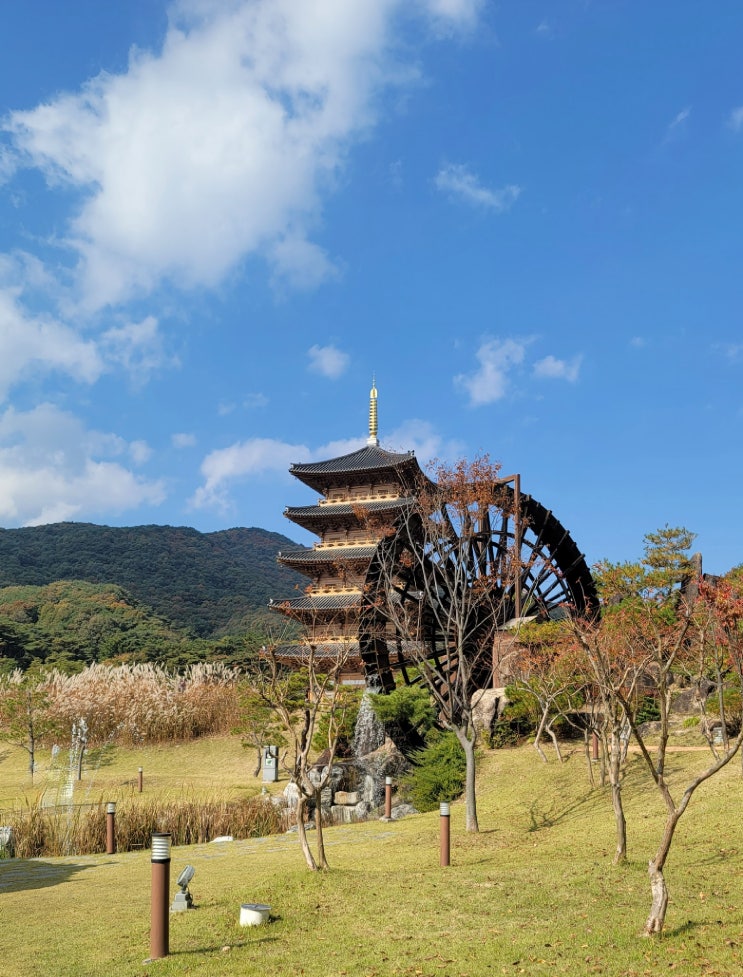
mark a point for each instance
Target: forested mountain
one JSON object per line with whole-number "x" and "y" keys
{"x": 71, "y": 623}
{"x": 211, "y": 584}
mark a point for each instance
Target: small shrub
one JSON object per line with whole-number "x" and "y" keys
{"x": 732, "y": 700}
{"x": 518, "y": 719}
{"x": 648, "y": 710}
{"x": 407, "y": 708}
{"x": 690, "y": 722}
{"x": 438, "y": 772}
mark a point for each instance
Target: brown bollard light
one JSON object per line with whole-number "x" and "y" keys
{"x": 111, "y": 828}
{"x": 445, "y": 848}
{"x": 388, "y": 798}
{"x": 140, "y": 779}
{"x": 594, "y": 747}
{"x": 160, "y": 916}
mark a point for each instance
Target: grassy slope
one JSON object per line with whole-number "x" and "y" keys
{"x": 534, "y": 893}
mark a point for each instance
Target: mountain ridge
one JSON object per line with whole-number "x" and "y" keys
{"x": 211, "y": 584}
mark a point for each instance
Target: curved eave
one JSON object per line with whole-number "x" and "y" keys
{"x": 310, "y": 562}
{"x": 370, "y": 462}
{"x": 334, "y": 651}
{"x": 342, "y": 514}
{"x": 319, "y": 602}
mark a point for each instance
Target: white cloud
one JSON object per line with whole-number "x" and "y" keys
{"x": 680, "y": 118}
{"x": 556, "y": 369}
{"x": 731, "y": 351}
{"x": 301, "y": 264}
{"x": 256, "y": 456}
{"x": 140, "y": 452}
{"x": 421, "y": 437}
{"x": 39, "y": 344}
{"x": 52, "y": 468}
{"x": 223, "y": 143}
{"x": 137, "y": 346}
{"x": 735, "y": 119}
{"x": 490, "y": 382}
{"x": 253, "y": 458}
{"x": 459, "y": 182}
{"x": 253, "y": 400}
{"x": 328, "y": 361}
{"x": 453, "y": 15}
{"x": 183, "y": 440}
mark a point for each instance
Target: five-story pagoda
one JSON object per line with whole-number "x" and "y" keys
{"x": 361, "y": 495}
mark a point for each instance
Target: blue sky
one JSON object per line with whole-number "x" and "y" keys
{"x": 220, "y": 218}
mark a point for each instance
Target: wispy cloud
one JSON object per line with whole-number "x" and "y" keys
{"x": 500, "y": 359}
{"x": 35, "y": 345}
{"x": 678, "y": 125}
{"x": 140, "y": 452}
{"x": 553, "y": 368}
{"x": 253, "y": 400}
{"x": 680, "y": 118}
{"x": 459, "y": 182}
{"x": 731, "y": 351}
{"x": 490, "y": 382}
{"x": 328, "y": 361}
{"x": 253, "y": 458}
{"x": 735, "y": 119}
{"x": 183, "y": 440}
{"x": 138, "y": 346}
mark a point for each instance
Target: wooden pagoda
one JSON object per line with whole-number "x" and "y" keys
{"x": 360, "y": 496}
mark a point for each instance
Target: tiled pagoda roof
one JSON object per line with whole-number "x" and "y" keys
{"x": 369, "y": 460}
{"x": 341, "y": 513}
{"x": 320, "y": 602}
{"x": 327, "y": 650}
{"x": 305, "y": 559}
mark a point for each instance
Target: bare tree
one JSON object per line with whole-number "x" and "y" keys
{"x": 298, "y": 697}
{"x": 442, "y": 588}
{"x": 649, "y": 637}
{"x": 543, "y": 667}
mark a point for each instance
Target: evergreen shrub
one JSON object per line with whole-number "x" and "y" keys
{"x": 438, "y": 772}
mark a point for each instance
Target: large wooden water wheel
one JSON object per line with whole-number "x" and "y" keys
{"x": 476, "y": 574}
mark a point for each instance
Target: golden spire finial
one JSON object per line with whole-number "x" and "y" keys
{"x": 373, "y": 440}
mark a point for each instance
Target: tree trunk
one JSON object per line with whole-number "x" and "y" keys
{"x": 589, "y": 760}
{"x": 658, "y": 889}
{"x": 470, "y": 795}
{"x": 553, "y": 736}
{"x": 302, "y": 832}
{"x": 620, "y": 853}
{"x": 322, "y": 861}
{"x": 259, "y": 764}
{"x": 615, "y": 779}
{"x": 540, "y": 730}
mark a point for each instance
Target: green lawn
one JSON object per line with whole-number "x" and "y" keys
{"x": 534, "y": 893}
{"x": 202, "y": 768}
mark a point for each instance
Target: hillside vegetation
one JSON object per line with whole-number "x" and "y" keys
{"x": 208, "y": 584}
